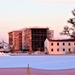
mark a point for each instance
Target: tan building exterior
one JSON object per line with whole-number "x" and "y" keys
{"x": 60, "y": 46}
{"x": 15, "y": 40}
{"x": 50, "y": 34}
{"x": 26, "y": 39}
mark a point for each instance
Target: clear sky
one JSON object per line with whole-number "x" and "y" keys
{"x": 17, "y": 14}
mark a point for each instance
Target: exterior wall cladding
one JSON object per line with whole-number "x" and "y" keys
{"x": 10, "y": 38}
{"x": 15, "y": 40}
{"x": 29, "y": 39}
{"x": 26, "y": 40}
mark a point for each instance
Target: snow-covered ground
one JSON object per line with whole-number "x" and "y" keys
{"x": 47, "y": 62}
{"x": 3, "y": 54}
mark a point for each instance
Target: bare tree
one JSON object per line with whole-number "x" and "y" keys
{"x": 70, "y": 31}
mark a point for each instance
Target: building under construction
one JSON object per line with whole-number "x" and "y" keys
{"x": 30, "y": 39}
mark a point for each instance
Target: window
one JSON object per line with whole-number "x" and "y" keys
{"x": 63, "y": 49}
{"x": 69, "y": 49}
{"x": 57, "y": 44}
{"x": 51, "y": 44}
{"x": 69, "y": 44}
{"x": 57, "y": 49}
{"x": 52, "y": 50}
{"x": 63, "y": 44}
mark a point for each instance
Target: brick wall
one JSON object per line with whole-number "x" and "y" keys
{"x": 26, "y": 39}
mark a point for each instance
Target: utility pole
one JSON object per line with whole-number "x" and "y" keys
{"x": 28, "y": 70}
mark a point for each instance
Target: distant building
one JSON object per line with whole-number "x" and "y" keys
{"x": 64, "y": 46}
{"x": 29, "y": 39}
{"x": 15, "y": 40}
{"x": 4, "y": 47}
{"x": 50, "y": 34}
{"x": 33, "y": 39}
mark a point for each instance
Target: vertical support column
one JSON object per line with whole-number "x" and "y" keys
{"x": 28, "y": 70}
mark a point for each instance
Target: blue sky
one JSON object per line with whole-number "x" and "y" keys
{"x": 17, "y": 14}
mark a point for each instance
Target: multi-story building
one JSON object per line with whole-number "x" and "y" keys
{"x": 26, "y": 39}
{"x": 15, "y": 40}
{"x": 29, "y": 39}
{"x": 4, "y": 47}
{"x": 33, "y": 39}
{"x": 64, "y": 46}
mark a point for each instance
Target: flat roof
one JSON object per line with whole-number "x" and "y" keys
{"x": 60, "y": 40}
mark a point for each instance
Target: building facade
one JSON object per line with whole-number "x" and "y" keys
{"x": 26, "y": 39}
{"x": 60, "y": 46}
{"x": 15, "y": 40}
{"x": 33, "y": 39}
{"x": 4, "y": 47}
{"x": 29, "y": 39}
